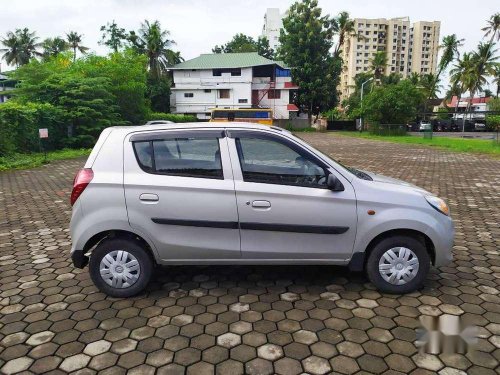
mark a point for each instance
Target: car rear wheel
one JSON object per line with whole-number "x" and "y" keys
{"x": 120, "y": 267}
{"x": 398, "y": 264}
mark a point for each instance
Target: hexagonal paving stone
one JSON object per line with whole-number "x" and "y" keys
{"x": 259, "y": 366}
{"x": 316, "y": 365}
{"x": 228, "y": 340}
{"x": 305, "y": 337}
{"x": 270, "y": 352}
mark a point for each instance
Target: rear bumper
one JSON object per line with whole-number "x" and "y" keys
{"x": 80, "y": 260}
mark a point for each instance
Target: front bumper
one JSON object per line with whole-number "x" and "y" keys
{"x": 80, "y": 260}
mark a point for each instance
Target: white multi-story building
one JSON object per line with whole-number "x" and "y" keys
{"x": 232, "y": 80}
{"x": 273, "y": 22}
{"x": 408, "y": 47}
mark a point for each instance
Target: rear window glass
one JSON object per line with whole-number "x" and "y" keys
{"x": 185, "y": 157}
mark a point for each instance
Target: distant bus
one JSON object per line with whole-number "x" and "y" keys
{"x": 255, "y": 115}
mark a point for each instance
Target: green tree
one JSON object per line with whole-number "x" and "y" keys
{"x": 113, "y": 36}
{"x": 430, "y": 85}
{"x": 414, "y": 78}
{"x": 449, "y": 46}
{"x": 75, "y": 42}
{"x": 393, "y": 104}
{"x": 378, "y": 64}
{"x": 343, "y": 25}
{"x": 244, "y": 43}
{"x": 306, "y": 40}
{"x": 153, "y": 42}
{"x": 20, "y": 47}
{"x": 493, "y": 28}
{"x": 496, "y": 78}
{"x": 53, "y": 47}
{"x": 158, "y": 93}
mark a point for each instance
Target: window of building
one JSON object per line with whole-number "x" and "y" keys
{"x": 272, "y": 162}
{"x": 241, "y": 101}
{"x": 207, "y": 90}
{"x": 224, "y": 94}
{"x": 184, "y": 157}
{"x": 188, "y": 95}
{"x": 274, "y": 94}
{"x": 232, "y": 71}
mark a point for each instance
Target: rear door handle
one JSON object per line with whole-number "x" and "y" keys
{"x": 261, "y": 204}
{"x": 148, "y": 197}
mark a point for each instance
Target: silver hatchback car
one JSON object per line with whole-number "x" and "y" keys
{"x": 233, "y": 193}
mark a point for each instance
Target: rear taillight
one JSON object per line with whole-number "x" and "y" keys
{"x": 82, "y": 179}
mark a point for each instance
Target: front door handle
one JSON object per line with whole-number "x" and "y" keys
{"x": 148, "y": 197}
{"x": 261, "y": 204}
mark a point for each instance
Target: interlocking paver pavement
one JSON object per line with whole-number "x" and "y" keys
{"x": 266, "y": 319}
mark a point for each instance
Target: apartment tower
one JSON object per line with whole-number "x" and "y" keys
{"x": 409, "y": 48}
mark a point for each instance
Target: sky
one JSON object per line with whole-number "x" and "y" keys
{"x": 197, "y": 25}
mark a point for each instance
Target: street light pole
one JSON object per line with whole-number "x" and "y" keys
{"x": 362, "y": 90}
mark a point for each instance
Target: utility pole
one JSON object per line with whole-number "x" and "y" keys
{"x": 362, "y": 90}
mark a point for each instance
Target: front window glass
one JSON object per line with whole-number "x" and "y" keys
{"x": 269, "y": 161}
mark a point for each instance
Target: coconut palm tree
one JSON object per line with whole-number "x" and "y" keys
{"x": 414, "y": 78}
{"x": 53, "y": 47}
{"x": 460, "y": 76}
{"x": 344, "y": 27}
{"x": 496, "y": 79}
{"x": 379, "y": 62}
{"x": 430, "y": 85}
{"x": 493, "y": 27}
{"x": 74, "y": 39}
{"x": 21, "y": 46}
{"x": 154, "y": 42}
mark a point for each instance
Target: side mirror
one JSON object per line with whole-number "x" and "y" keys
{"x": 334, "y": 183}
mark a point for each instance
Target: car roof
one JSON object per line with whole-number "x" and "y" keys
{"x": 194, "y": 125}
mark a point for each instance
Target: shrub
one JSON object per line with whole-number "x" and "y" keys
{"x": 171, "y": 117}
{"x": 19, "y": 124}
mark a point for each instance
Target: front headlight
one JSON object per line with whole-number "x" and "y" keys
{"x": 438, "y": 204}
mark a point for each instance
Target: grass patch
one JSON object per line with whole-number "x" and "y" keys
{"x": 480, "y": 146}
{"x": 24, "y": 161}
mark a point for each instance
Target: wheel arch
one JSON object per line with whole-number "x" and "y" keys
{"x": 118, "y": 233}
{"x": 358, "y": 260}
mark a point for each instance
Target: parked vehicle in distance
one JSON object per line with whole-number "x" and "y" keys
{"x": 236, "y": 193}
{"x": 262, "y": 116}
{"x": 159, "y": 122}
{"x": 425, "y": 126}
{"x": 479, "y": 126}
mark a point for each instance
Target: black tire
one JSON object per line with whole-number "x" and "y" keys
{"x": 132, "y": 247}
{"x": 372, "y": 264}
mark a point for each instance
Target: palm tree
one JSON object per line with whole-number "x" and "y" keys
{"x": 344, "y": 27}
{"x": 414, "y": 78}
{"x": 74, "y": 39}
{"x": 460, "y": 76}
{"x": 430, "y": 85}
{"x": 21, "y": 46}
{"x": 12, "y": 51}
{"x": 496, "y": 79}
{"x": 493, "y": 27}
{"x": 152, "y": 41}
{"x": 379, "y": 62}
{"x": 449, "y": 46}
{"x": 53, "y": 47}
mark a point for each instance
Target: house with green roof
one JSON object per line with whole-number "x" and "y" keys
{"x": 232, "y": 81}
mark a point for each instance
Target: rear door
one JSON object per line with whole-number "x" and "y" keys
{"x": 179, "y": 190}
{"x": 286, "y": 210}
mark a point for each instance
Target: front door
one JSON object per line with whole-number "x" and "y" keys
{"x": 179, "y": 191}
{"x": 285, "y": 209}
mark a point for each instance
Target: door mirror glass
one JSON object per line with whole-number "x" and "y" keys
{"x": 334, "y": 183}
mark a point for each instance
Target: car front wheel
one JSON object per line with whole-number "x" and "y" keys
{"x": 398, "y": 264}
{"x": 120, "y": 267}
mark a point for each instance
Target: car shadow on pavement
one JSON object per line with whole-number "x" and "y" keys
{"x": 255, "y": 279}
